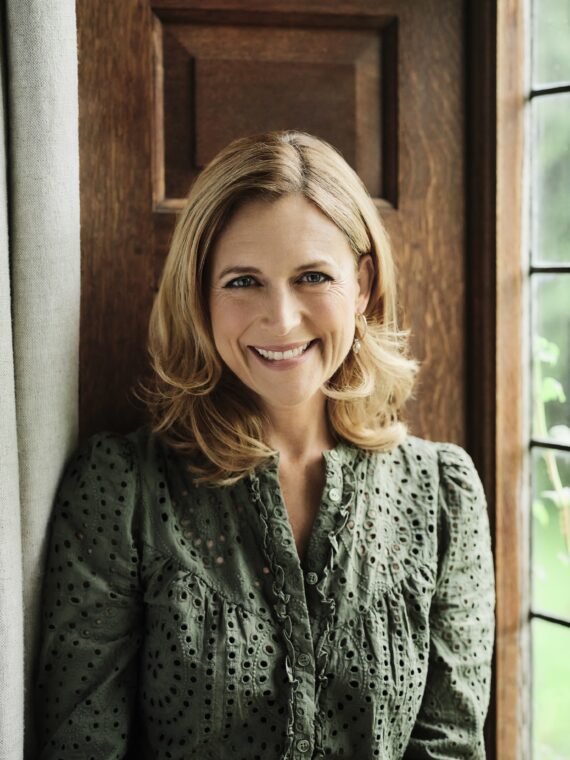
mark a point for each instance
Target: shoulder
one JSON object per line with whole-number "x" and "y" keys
{"x": 414, "y": 446}
{"x": 438, "y": 467}
{"x": 413, "y": 458}
{"x": 458, "y": 490}
{"x": 103, "y": 477}
{"x": 103, "y": 456}
{"x": 448, "y": 462}
{"x": 111, "y": 453}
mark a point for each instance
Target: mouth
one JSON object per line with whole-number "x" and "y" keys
{"x": 276, "y": 357}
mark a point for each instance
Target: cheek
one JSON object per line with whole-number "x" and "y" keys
{"x": 334, "y": 311}
{"x": 335, "y": 320}
{"x": 229, "y": 319}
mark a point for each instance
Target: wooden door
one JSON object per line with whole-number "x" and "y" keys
{"x": 164, "y": 84}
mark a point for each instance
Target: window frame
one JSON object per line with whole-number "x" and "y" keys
{"x": 513, "y": 709}
{"x": 498, "y": 330}
{"x": 500, "y": 402}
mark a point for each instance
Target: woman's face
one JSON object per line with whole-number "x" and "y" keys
{"x": 284, "y": 292}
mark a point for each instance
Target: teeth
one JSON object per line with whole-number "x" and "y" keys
{"x": 277, "y": 356}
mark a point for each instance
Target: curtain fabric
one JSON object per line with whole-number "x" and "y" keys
{"x": 39, "y": 323}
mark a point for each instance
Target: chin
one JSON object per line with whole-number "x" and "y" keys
{"x": 290, "y": 400}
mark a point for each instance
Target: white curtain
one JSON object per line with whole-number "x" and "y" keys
{"x": 39, "y": 323}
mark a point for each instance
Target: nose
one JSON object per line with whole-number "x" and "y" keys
{"x": 282, "y": 311}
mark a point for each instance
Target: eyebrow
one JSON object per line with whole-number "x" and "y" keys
{"x": 255, "y": 270}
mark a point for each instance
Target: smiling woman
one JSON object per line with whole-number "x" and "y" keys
{"x": 279, "y": 245}
{"x": 272, "y": 567}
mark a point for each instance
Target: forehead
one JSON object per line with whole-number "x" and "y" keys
{"x": 292, "y": 226}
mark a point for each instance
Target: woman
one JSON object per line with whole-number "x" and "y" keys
{"x": 273, "y": 567}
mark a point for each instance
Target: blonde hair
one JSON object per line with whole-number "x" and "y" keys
{"x": 197, "y": 405}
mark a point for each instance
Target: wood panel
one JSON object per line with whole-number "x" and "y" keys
{"x": 512, "y": 521}
{"x": 263, "y": 71}
{"x": 481, "y": 118}
{"x": 118, "y": 268}
{"x": 221, "y": 81}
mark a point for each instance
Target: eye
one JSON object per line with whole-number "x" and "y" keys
{"x": 240, "y": 282}
{"x": 316, "y": 278}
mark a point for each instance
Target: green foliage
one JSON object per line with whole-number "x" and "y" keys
{"x": 548, "y": 389}
{"x": 550, "y": 224}
{"x": 550, "y": 565}
{"x": 540, "y": 512}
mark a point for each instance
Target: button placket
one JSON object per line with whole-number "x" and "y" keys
{"x": 290, "y": 606}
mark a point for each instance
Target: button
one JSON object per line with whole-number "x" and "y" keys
{"x": 312, "y": 578}
{"x": 299, "y": 712}
{"x": 304, "y": 659}
{"x": 334, "y": 494}
{"x": 303, "y": 745}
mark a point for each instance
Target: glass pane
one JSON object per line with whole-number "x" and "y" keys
{"x": 551, "y": 41}
{"x": 550, "y": 565}
{"x": 551, "y": 690}
{"x": 550, "y": 191}
{"x": 551, "y": 356}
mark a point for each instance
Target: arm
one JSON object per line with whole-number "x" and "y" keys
{"x": 452, "y": 713}
{"x": 91, "y": 617}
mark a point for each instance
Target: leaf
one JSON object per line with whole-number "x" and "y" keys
{"x": 540, "y": 512}
{"x": 552, "y": 390}
{"x": 546, "y": 351}
{"x": 561, "y": 498}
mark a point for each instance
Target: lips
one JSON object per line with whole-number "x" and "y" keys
{"x": 283, "y": 348}
{"x": 282, "y": 357}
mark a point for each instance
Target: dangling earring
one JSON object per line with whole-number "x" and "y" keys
{"x": 357, "y": 345}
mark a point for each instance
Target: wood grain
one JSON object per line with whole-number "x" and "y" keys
{"x": 118, "y": 269}
{"x": 221, "y": 80}
{"x": 512, "y": 520}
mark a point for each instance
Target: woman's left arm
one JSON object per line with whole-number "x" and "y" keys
{"x": 462, "y": 622}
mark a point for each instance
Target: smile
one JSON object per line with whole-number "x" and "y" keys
{"x": 280, "y": 356}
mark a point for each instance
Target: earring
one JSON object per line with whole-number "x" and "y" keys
{"x": 357, "y": 345}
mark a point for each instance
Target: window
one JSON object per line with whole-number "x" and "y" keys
{"x": 548, "y": 200}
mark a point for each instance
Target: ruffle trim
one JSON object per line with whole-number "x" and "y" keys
{"x": 343, "y": 513}
{"x": 322, "y": 657}
{"x": 280, "y": 606}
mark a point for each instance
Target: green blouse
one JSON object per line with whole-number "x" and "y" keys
{"x": 178, "y": 621}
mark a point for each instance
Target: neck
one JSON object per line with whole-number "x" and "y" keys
{"x": 299, "y": 435}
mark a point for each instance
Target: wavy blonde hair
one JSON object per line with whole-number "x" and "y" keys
{"x": 197, "y": 405}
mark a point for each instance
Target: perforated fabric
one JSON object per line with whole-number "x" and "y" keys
{"x": 179, "y": 622}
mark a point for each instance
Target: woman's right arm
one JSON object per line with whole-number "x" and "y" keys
{"x": 91, "y": 623}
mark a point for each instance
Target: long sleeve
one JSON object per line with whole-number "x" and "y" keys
{"x": 462, "y": 622}
{"x": 91, "y": 617}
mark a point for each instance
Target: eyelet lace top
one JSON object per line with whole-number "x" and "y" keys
{"x": 178, "y": 621}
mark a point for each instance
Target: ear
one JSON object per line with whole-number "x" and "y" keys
{"x": 365, "y": 278}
